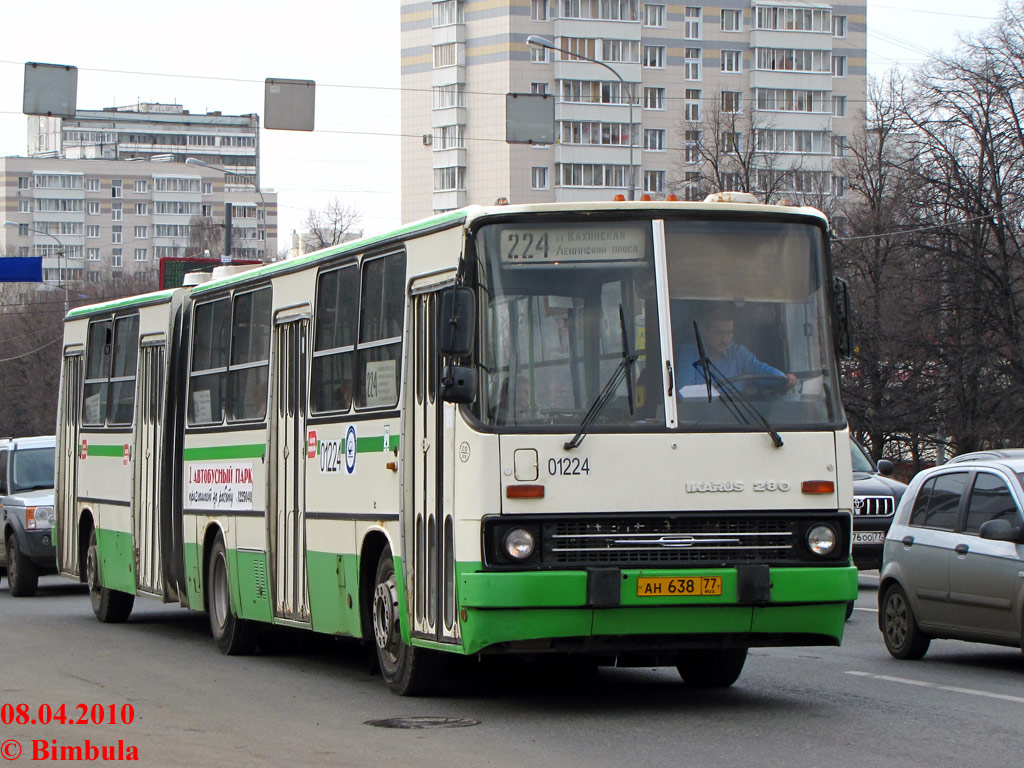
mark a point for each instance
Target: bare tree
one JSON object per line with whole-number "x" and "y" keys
{"x": 204, "y": 236}
{"x": 334, "y": 223}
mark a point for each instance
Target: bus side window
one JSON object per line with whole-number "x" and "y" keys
{"x": 381, "y": 316}
{"x": 334, "y": 339}
{"x": 210, "y": 337}
{"x": 249, "y": 369}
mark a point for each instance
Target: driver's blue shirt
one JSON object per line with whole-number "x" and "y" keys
{"x": 737, "y": 360}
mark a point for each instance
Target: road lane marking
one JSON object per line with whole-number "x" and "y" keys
{"x": 952, "y": 688}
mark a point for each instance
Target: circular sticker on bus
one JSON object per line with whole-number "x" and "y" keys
{"x": 350, "y": 450}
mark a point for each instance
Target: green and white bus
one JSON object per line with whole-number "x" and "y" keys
{"x": 475, "y": 435}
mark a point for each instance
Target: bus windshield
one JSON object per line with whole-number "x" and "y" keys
{"x": 563, "y": 301}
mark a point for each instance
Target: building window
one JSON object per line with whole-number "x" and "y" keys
{"x": 115, "y": 234}
{"x": 539, "y": 10}
{"x": 792, "y": 19}
{"x": 141, "y": 185}
{"x": 654, "y": 15}
{"x": 654, "y": 98}
{"x": 838, "y": 66}
{"x": 592, "y": 175}
{"x": 92, "y": 254}
{"x": 729, "y": 141}
{"x": 23, "y": 230}
{"x": 92, "y": 231}
{"x": 23, "y": 182}
{"x": 115, "y": 212}
{"x": 207, "y": 210}
{"x": 838, "y": 26}
{"x": 732, "y": 21}
{"x": 691, "y": 64}
{"x": 691, "y": 185}
{"x": 24, "y": 206}
{"x": 538, "y": 55}
{"x": 691, "y": 30}
{"x": 839, "y": 106}
{"x": 446, "y": 55}
{"x": 793, "y": 60}
{"x": 732, "y": 101}
{"x": 92, "y": 207}
{"x": 449, "y": 96}
{"x": 691, "y": 106}
{"x": 732, "y": 61}
{"x": 654, "y": 57}
{"x": 207, "y": 187}
{"x": 115, "y": 187}
{"x": 791, "y": 100}
{"x": 654, "y": 139}
{"x": 142, "y": 209}
{"x": 140, "y": 254}
{"x": 838, "y": 146}
{"x": 449, "y": 137}
{"x": 141, "y": 232}
{"x": 540, "y": 89}
{"x": 839, "y": 186}
{"x": 448, "y": 12}
{"x": 586, "y": 132}
{"x": 450, "y": 178}
{"x": 654, "y": 181}
{"x": 539, "y": 177}
{"x": 116, "y": 258}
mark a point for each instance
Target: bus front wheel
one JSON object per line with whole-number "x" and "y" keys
{"x": 234, "y": 636}
{"x": 718, "y": 668}
{"x": 109, "y": 605}
{"x": 408, "y": 671}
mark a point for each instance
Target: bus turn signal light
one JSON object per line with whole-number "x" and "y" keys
{"x": 524, "y": 492}
{"x": 818, "y": 486}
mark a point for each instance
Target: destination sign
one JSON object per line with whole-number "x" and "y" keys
{"x": 534, "y": 246}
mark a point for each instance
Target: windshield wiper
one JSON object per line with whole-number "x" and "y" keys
{"x": 730, "y": 394}
{"x": 623, "y": 369}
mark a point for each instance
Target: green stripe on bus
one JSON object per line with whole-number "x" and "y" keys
{"x": 217, "y": 452}
{"x": 115, "y": 451}
{"x": 375, "y": 444}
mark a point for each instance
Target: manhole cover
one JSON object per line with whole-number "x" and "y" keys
{"x": 423, "y": 722}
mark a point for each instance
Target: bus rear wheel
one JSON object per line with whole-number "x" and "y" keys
{"x": 716, "y": 668}
{"x": 22, "y": 573}
{"x": 408, "y": 671}
{"x": 109, "y": 605}
{"x": 234, "y": 636}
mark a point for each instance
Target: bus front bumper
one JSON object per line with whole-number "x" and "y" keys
{"x": 603, "y": 610}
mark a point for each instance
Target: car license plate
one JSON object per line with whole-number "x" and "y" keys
{"x": 868, "y": 537}
{"x": 685, "y": 586}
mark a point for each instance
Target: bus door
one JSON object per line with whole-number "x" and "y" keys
{"x": 433, "y": 550}
{"x": 147, "y": 463}
{"x": 286, "y": 517}
{"x": 67, "y": 462}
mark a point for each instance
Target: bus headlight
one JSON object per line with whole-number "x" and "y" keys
{"x": 519, "y": 543}
{"x": 821, "y": 539}
{"x": 38, "y": 517}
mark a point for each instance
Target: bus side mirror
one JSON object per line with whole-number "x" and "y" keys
{"x": 841, "y": 295}
{"x": 457, "y": 321}
{"x": 458, "y": 384}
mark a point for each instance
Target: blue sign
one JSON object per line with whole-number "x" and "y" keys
{"x": 21, "y": 269}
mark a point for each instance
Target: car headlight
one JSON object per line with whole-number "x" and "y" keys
{"x": 519, "y": 543}
{"x": 821, "y": 539}
{"x": 38, "y": 517}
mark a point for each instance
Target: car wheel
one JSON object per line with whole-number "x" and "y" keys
{"x": 903, "y": 638}
{"x": 22, "y": 573}
{"x": 711, "y": 669}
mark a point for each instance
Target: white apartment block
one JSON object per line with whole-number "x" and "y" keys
{"x": 100, "y": 220}
{"x": 148, "y": 131}
{"x": 779, "y": 84}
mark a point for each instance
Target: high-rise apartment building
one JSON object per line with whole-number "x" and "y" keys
{"x": 729, "y": 94}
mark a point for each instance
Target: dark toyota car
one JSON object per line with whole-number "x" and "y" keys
{"x": 875, "y": 498}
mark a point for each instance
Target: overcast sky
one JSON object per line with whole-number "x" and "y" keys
{"x": 215, "y": 55}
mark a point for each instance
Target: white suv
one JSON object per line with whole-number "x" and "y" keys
{"x": 26, "y": 511}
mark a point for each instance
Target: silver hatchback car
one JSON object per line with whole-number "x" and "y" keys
{"x": 953, "y": 559}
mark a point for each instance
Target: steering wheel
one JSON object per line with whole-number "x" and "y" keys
{"x": 769, "y": 383}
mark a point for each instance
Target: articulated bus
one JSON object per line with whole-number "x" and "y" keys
{"x": 509, "y": 429}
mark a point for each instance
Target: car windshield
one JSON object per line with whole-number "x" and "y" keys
{"x": 861, "y": 462}
{"x": 564, "y": 301}
{"x": 32, "y": 468}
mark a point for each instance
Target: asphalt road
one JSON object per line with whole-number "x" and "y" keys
{"x": 848, "y": 706}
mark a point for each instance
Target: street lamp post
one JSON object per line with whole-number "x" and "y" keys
{"x": 542, "y": 42}
{"x": 61, "y": 256}
{"x": 263, "y": 203}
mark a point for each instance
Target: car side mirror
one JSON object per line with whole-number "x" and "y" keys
{"x": 1000, "y": 530}
{"x": 458, "y": 384}
{"x": 886, "y": 467}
